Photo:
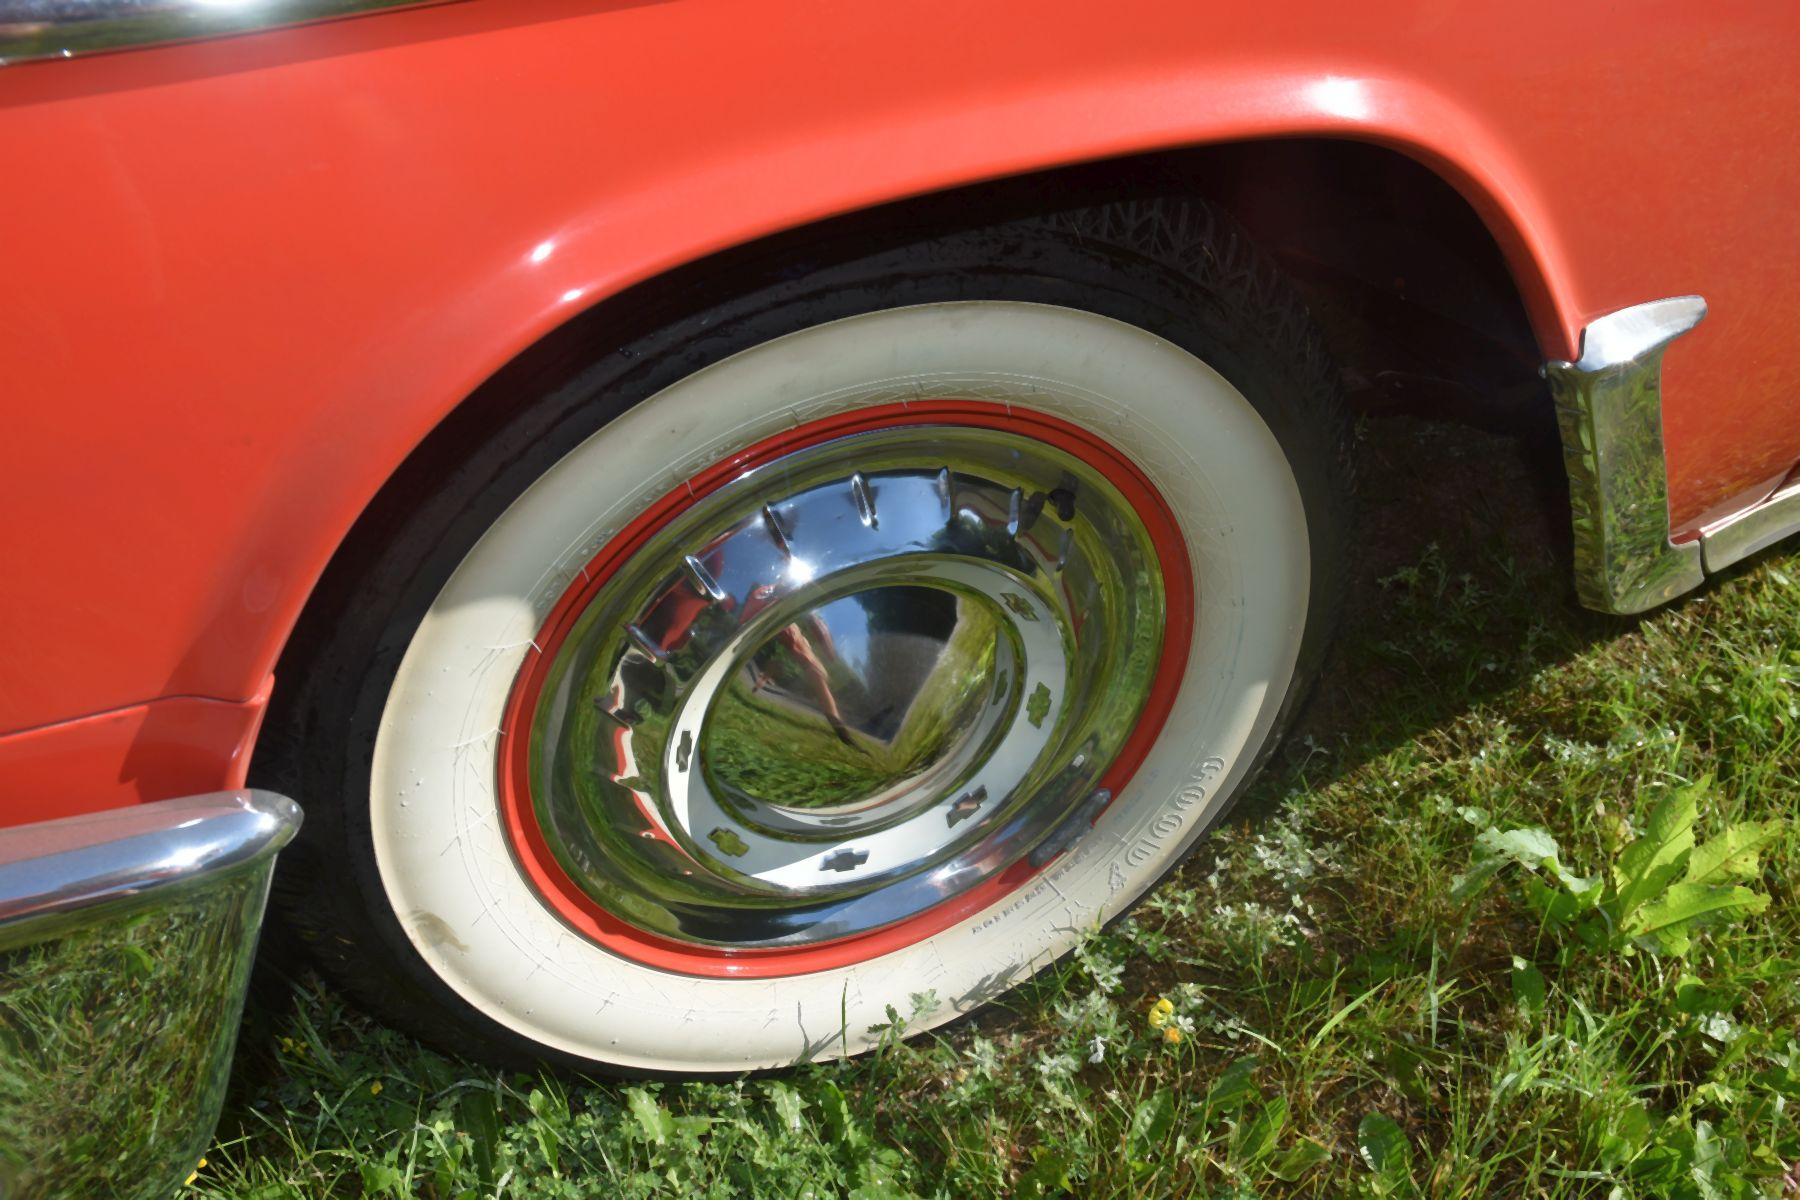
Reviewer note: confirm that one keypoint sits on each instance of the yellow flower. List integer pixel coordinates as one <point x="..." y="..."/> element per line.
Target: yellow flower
<point x="1172" y="1035"/>
<point x="375" y="1088"/>
<point x="194" y="1174"/>
<point x="1160" y="1012"/>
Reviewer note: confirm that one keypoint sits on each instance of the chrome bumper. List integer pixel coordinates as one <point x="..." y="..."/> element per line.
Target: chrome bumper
<point x="125" y="945"/>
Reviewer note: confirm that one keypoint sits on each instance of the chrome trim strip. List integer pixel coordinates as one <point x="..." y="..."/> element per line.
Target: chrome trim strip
<point x="126" y="939"/>
<point x="1756" y="528"/>
<point x="38" y="29"/>
<point x="1609" y="408"/>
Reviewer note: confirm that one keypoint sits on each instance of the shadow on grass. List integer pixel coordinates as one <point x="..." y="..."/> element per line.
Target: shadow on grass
<point x="1461" y="586"/>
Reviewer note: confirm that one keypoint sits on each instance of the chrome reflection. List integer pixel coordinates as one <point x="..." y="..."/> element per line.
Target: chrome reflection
<point x="38" y="29"/>
<point x="850" y="684"/>
<point x="1609" y="408"/>
<point x="125" y="946"/>
<point x="900" y="677"/>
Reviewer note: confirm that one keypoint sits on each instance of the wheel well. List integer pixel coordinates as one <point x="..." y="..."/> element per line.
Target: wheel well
<point x="1417" y="304"/>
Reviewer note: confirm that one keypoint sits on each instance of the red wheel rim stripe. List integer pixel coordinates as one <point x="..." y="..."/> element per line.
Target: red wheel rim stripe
<point x="513" y="766"/>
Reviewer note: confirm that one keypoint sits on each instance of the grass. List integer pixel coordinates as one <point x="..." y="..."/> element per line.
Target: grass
<point x="1379" y="985"/>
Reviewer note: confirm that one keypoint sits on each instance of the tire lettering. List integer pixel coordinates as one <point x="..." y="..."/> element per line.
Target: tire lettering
<point x="1138" y="853"/>
<point x="1195" y="793"/>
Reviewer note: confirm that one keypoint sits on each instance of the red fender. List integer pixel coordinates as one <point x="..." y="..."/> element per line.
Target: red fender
<point x="245" y="277"/>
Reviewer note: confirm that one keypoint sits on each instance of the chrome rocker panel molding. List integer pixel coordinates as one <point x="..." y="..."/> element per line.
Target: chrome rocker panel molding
<point x="1609" y="409"/>
<point x="126" y="938"/>
<point x="40" y="29"/>
<point x="1758" y="527"/>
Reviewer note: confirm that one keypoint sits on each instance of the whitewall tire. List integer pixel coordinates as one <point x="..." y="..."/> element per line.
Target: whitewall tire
<point x="1249" y="483"/>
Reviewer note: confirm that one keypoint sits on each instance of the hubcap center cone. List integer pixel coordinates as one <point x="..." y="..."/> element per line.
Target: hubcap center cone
<point x="852" y="714"/>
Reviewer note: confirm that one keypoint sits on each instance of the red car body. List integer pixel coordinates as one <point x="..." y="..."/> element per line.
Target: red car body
<point x="243" y="278"/>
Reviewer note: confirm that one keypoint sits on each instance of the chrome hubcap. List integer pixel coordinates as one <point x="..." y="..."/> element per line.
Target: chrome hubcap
<point x="847" y="686"/>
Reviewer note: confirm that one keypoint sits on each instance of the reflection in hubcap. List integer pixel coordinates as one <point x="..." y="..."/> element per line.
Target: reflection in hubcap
<point x="857" y="704"/>
<point x="852" y="683"/>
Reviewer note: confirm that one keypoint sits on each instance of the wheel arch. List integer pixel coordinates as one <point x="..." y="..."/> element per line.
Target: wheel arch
<point x="1521" y="319"/>
<point x="539" y="348"/>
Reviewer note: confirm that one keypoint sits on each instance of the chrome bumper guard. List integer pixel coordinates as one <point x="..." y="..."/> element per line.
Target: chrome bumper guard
<point x="1609" y="407"/>
<point x="126" y="939"/>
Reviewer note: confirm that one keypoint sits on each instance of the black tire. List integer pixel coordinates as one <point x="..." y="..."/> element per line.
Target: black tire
<point x="1174" y="267"/>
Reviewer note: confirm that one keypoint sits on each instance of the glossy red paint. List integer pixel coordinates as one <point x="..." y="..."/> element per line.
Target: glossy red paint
<point x="245" y="277"/>
<point x="513" y="783"/>
<point x="179" y="746"/>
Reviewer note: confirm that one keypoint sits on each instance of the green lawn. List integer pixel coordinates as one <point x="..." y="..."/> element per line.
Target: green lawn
<point x="1374" y="994"/>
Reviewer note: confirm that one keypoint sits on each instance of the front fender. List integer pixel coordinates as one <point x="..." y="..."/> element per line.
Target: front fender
<point x="252" y="274"/>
